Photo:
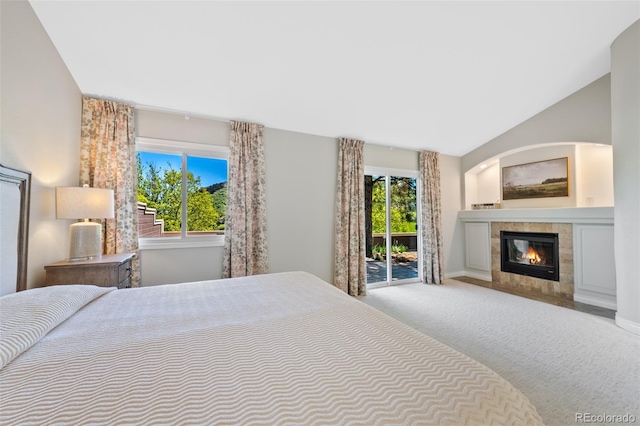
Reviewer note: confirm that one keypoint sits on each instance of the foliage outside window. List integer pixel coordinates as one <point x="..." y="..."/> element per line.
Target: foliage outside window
<point x="403" y="204"/>
<point x="186" y="191"/>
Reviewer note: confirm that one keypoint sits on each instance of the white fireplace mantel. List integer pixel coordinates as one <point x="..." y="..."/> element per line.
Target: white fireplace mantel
<point x="593" y="215"/>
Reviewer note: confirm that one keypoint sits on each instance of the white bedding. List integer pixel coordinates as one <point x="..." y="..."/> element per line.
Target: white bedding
<point x="272" y="349"/>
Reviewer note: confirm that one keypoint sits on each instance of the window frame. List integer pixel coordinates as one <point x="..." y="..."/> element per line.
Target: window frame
<point x="183" y="149"/>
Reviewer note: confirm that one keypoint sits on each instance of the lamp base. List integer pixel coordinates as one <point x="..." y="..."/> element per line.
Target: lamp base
<point x="85" y="241"/>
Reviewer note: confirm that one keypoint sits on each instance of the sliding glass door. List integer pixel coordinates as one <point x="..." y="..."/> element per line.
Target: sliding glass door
<point x="391" y="226"/>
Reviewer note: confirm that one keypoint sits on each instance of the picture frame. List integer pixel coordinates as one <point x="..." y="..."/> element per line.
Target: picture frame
<point x="540" y="179"/>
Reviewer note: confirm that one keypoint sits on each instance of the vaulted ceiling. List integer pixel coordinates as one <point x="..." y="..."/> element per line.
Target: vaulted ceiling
<point x="446" y="76"/>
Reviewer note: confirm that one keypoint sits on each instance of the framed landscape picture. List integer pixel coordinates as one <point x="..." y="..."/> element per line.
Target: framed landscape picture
<point x="542" y="179"/>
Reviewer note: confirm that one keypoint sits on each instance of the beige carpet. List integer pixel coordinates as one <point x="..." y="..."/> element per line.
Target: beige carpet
<point x="566" y="362"/>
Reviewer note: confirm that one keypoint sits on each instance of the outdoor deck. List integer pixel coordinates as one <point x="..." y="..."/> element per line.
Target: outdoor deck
<point x="377" y="270"/>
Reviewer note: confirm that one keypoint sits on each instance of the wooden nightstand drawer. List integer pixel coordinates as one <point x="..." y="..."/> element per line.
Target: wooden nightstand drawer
<point x="110" y="270"/>
<point x="124" y="271"/>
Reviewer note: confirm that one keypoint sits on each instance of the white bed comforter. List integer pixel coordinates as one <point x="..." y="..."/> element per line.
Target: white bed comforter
<point x="273" y="349"/>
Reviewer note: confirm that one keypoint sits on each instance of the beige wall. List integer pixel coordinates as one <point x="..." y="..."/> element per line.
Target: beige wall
<point x="392" y="158"/>
<point x="301" y="181"/>
<point x="486" y="188"/>
<point x="625" y="103"/>
<point x="173" y="126"/>
<point x="594" y="175"/>
<point x="40" y="114"/>
<point x="452" y="229"/>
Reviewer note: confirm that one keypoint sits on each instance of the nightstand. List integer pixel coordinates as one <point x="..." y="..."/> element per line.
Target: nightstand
<point x="110" y="270"/>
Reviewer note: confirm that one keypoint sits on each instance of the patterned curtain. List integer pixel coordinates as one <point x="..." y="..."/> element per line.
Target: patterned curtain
<point x="432" y="265"/>
<point x="108" y="160"/>
<point x="350" y="275"/>
<point x="245" y="235"/>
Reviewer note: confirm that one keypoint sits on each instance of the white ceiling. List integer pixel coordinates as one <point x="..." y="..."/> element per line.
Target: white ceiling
<point x="445" y="76"/>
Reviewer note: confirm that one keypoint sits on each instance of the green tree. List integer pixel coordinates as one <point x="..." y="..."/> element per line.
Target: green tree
<point x="403" y="206"/>
<point x="219" y="199"/>
<point x="378" y="208"/>
<point x="141" y="179"/>
<point x="201" y="215"/>
<point x="161" y="189"/>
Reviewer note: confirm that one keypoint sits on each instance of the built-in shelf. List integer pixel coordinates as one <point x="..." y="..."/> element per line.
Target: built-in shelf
<point x="603" y="215"/>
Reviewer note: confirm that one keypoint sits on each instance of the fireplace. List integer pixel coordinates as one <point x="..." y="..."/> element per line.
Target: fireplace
<point x="534" y="254"/>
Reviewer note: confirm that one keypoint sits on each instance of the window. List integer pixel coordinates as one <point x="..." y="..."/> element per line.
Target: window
<point x="182" y="193"/>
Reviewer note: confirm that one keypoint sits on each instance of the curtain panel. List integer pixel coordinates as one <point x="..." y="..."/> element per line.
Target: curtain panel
<point x="245" y="242"/>
<point x="108" y="160"/>
<point x="350" y="272"/>
<point x="432" y="265"/>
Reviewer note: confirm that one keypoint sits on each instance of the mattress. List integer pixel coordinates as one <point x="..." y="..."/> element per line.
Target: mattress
<point x="272" y="349"/>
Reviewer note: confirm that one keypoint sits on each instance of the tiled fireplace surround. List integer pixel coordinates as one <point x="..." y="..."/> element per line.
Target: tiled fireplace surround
<point x="560" y="289"/>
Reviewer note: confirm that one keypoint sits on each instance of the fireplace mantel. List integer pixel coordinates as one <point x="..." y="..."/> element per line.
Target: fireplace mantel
<point x="593" y="215"/>
<point x="586" y="233"/>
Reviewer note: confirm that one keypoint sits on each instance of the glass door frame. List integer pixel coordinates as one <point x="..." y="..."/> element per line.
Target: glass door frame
<point x="387" y="172"/>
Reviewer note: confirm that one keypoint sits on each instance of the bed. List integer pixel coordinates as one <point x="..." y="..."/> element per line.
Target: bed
<point x="285" y="348"/>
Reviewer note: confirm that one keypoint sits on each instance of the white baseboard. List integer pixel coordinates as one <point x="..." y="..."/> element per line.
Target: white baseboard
<point x="595" y="302"/>
<point x="453" y="274"/>
<point x="625" y="324"/>
<point x="485" y="276"/>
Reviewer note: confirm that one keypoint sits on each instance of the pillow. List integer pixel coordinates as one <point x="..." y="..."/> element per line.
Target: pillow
<point x="27" y="316"/>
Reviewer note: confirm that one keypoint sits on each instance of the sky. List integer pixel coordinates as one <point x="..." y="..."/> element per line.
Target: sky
<point x="210" y="170"/>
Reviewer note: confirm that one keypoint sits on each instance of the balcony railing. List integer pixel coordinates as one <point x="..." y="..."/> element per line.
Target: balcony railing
<point x="407" y="239"/>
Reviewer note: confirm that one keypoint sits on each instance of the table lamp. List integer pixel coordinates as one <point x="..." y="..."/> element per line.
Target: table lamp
<point x="85" y="238"/>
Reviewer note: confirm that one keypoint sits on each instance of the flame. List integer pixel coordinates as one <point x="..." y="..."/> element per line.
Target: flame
<point x="533" y="256"/>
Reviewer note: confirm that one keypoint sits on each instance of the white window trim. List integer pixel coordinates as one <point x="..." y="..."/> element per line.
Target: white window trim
<point x="168" y="146"/>
<point x="164" y="243"/>
<point x="181" y="148"/>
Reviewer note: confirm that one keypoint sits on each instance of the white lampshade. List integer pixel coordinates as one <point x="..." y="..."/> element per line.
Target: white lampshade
<point x="84" y="203"/>
<point x="85" y="238"/>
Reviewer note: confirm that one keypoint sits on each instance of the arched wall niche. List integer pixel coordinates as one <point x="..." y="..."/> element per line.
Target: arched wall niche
<point x="590" y="176"/>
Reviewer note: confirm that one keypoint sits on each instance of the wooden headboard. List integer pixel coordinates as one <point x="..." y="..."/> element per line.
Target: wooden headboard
<point x="15" y="195"/>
